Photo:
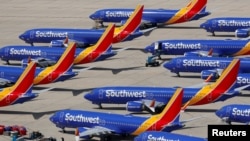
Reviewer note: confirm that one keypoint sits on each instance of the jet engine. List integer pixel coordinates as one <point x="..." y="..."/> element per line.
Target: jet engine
<point x="206" y="73"/>
<point x="134" y="106"/>
<point x="57" y="43"/>
<point x="242" y="33"/>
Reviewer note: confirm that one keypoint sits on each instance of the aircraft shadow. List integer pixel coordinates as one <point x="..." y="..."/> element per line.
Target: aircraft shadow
<point x="187" y="76"/>
<point x="244" y="95"/>
<point x="201" y="110"/>
<point x="229" y="36"/>
<point x="111" y="108"/>
<point x="36" y="115"/>
<point x="179" y="27"/>
<point x="75" y="92"/>
<point x="114" y="70"/>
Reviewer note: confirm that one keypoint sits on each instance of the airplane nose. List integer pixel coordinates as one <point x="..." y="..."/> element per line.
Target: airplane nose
<point x="21" y="37"/>
<point x="203" y="25"/>
<point x="149" y="49"/>
<point x="88" y="96"/>
<point x="52" y="118"/>
<point x="168" y="65"/>
<point x="218" y="113"/>
<point x="93" y="16"/>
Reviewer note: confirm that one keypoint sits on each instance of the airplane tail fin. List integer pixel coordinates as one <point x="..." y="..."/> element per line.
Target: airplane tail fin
<point x="131" y="25"/>
<point x="224" y="85"/>
<point x="22" y="86"/>
<point x="172" y="110"/>
<point x="104" y="44"/>
<point x="189" y="11"/>
<point x="64" y="64"/>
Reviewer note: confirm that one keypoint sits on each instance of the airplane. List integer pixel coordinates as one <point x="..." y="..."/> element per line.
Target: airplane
<point x="98" y="52"/>
<point x="86" y="37"/>
<point x="166" y="136"/>
<point x="89" y="123"/>
<point x="204" y="65"/>
<point x="194" y="10"/>
<point x="186" y="47"/>
<point x="239" y="25"/>
<point x="238" y="113"/>
<point x="153" y="99"/>
<point x="21" y="91"/>
<point x="60" y="71"/>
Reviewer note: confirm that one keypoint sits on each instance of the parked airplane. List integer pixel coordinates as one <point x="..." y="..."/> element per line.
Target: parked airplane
<point x="89" y="123"/>
<point x="60" y="71"/>
<point x="153" y="99"/>
<point x="239" y="25"/>
<point x="204" y="65"/>
<point x="98" y="52"/>
<point x="166" y="136"/>
<point x="234" y="113"/>
<point x="193" y="47"/>
<point x="194" y="10"/>
<point x="86" y="37"/>
<point x="22" y="90"/>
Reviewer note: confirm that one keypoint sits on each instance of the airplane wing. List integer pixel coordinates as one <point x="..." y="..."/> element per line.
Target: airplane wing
<point x="40" y="61"/>
<point x="97" y="130"/>
<point x="4" y="82"/>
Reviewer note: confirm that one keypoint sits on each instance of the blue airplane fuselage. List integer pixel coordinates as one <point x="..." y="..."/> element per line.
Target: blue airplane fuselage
<point x="87" y="36"/>
<point x="198" y="64"/>
<point x="24" y="52"/>
<point x="166" y="136"/>
<point x="226" y="24"/>
<point x="151" y="15"/>
<point x="185" y="47"/>
<point x="124" y="94"/>
<point x="235" y="113"/>
<point x="80" y="118"/>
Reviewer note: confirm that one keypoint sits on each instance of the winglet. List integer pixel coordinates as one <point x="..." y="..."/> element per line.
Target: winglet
<point x="90" y="54"/>
<point x="130" y="26"/>
<point x="64" y="64"/>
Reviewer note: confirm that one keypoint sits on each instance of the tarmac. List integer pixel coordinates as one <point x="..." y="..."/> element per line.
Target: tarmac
<point x="126" y="68"/>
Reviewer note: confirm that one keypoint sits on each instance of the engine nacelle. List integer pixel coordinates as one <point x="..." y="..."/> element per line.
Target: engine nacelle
<point x="206" y="73"/>
<point x="242" y="33"/>
<point x="134" y="106"/>
<point x="191" y="54"/>
<point x="82" y="129"/>
<point x="56" y="43"/>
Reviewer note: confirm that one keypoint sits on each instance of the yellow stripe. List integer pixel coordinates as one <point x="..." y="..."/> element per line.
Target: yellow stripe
<point x="182" y="11"/>
<point x="153" y="119"/>
<point x="90" y="49"/>
<point x="8" y="90"/>
<point x="244" y="50"/>
<point x="43" y="74"/>
<point x="118" y="30"/>
<point x="210" y="87"/>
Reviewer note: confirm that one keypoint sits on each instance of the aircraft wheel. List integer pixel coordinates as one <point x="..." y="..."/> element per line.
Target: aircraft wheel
<point x="146" y="64"/>
<point x="105" y="138"/>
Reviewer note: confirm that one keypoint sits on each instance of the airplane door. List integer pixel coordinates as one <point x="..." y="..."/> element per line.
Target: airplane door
<point x="210" y="97"/>
<point x="102" y="122"/>
<point x="228" y="111"/>
<point x="223" y="65"/>
<point x="6" y="51"/>
<point x="32" y="34"/>
<point x="8" y="99"/>
<point x="214" y="23"/>
<point x="145" y="137"/>
<point x="50" y="77"/>
<point x="101" y="94"/>
<point x="61" y="117"/>
<point x="2" y="74"/>
<point x="178" y="63"/>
